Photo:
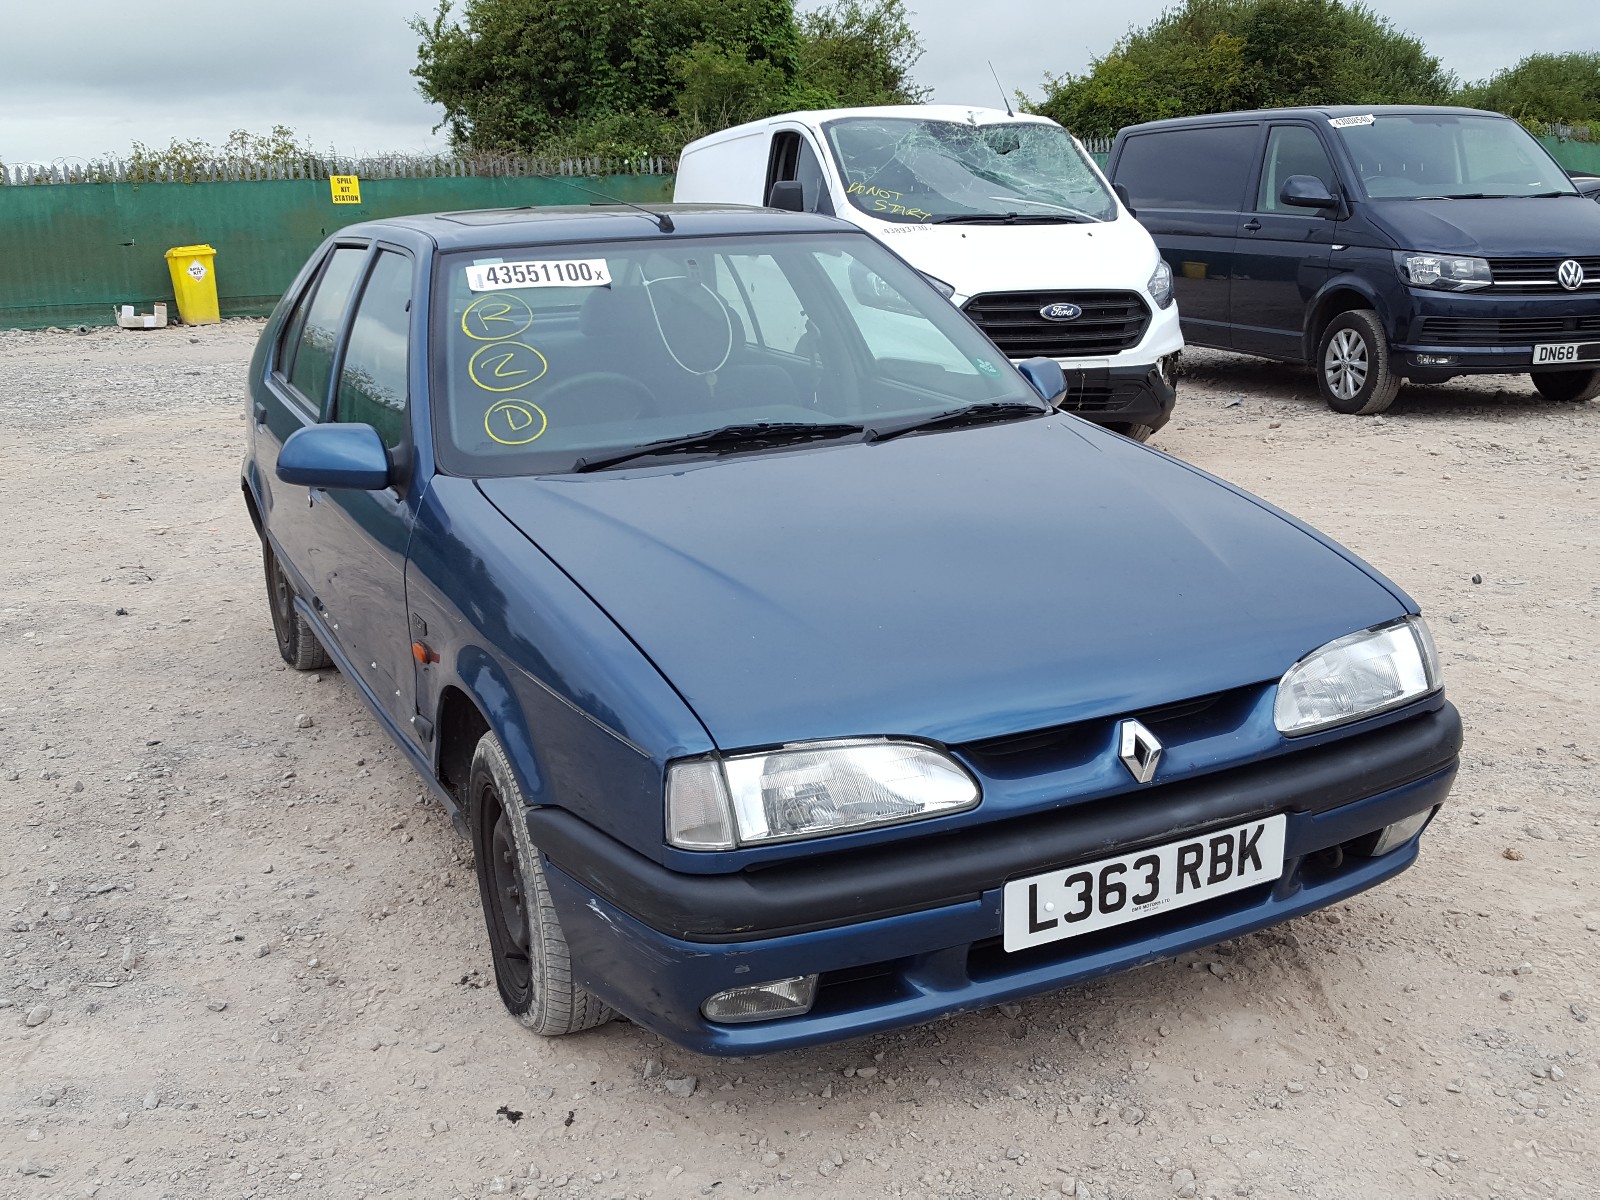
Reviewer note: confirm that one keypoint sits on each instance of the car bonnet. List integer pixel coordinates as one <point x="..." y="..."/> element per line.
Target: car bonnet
<point x="950" y="586"/>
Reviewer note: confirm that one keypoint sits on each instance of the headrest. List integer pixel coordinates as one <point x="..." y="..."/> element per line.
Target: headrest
<point x="676" y="317"/>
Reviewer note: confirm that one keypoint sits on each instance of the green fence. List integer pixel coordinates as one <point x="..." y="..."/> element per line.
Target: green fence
<point x="71" y="253"/>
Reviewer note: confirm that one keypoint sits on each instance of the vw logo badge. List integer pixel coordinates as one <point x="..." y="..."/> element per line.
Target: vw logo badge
<point x="1139" y="750"/>
<point x="1071" y="312"/>
<point x="1569" y="275"/>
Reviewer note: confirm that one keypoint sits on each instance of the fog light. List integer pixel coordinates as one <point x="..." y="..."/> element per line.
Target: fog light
<point x="762" y="1001"/>
<point x="1392" y="836"/>
<point x="1433" y="360"/>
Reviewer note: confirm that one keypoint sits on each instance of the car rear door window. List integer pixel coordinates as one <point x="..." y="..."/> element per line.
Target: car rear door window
<point x="1292" y="150"/>
<point x="372" y="379"/>
<point x="1202" y="168"/>
<point x="310" y="369"/>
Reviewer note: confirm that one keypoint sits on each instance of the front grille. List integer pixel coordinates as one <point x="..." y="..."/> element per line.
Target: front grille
<point x="1505" y="331"/>
<point x="1110" y="322"/>
<point x="1539" y="275"/>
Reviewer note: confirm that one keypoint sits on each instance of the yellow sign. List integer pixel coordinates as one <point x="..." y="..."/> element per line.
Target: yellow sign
<point x="346" y="188"/>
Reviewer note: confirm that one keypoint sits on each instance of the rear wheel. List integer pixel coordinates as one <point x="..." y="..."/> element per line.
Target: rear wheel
<point x="1567" y="386"/>
<point x="297" y="642"/>
<point x="532" y="966"/>
<point x="1353" y="369"/>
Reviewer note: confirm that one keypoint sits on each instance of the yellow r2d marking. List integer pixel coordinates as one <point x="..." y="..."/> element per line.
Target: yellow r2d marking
<point x="506" y="366"/>
<point x="515" y="422"/>
<point x="496" y="316"/>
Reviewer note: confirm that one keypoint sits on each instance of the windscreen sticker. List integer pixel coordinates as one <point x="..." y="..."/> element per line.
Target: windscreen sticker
<point x="987" y="367"/>
<point x="495" y="317"/>
<point x="555" y="272"/>
<point x="506" y="366"/>
<point x="1348" y="122"/>
<point x="515" y="422"/>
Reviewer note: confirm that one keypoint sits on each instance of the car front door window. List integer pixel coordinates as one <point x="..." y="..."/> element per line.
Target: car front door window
<point x="310" y="369"/>
<point x="372" y="379"/>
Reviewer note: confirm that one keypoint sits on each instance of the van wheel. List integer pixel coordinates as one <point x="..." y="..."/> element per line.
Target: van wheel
<point x="1567" y="386"/>
<point x="297" y="642"/>
<point x="1353" y="370"/>
<point x="1139" y="433"/>
<point x="532" y="966"/>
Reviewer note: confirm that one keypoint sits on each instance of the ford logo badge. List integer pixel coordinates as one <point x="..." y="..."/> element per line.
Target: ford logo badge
<point x="1061" y="312"/>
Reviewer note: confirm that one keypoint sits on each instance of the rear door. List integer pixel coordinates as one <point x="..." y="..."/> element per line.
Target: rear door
<point x="1282" y="255"/>
<point x="1188" y="187"/>
<point x="362" y="537"/>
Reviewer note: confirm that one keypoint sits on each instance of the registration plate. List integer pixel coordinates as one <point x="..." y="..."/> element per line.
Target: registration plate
<point x="1081" y="899"/>
<point x="1566" y="352"/>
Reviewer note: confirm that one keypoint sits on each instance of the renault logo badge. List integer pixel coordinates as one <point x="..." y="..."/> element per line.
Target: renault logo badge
<point x="1570" y="275"/>
<point x="1061" y="312"/>
<point x="1139" y="750"/>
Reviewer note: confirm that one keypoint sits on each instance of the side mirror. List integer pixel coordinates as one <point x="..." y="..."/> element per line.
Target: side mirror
<point x="787" y="194"/>
<point x="1306" y="191"/>
<point x="335" y="456"/>
<point x="1047" y="377"/>
<point x="1121" y="189"/>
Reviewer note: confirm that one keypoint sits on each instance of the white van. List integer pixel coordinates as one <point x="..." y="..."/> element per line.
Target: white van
<point x="1007" y="214"/>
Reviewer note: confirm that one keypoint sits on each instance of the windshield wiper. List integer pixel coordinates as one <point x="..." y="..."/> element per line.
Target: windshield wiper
<point x="973" y="414"/>
<point x="750" y="436"/>
<point x="1012" y="218"/>
<point x="1460" y="196"/>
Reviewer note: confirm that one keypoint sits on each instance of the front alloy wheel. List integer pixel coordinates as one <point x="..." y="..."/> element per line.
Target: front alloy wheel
<point x="1354" y="374"/>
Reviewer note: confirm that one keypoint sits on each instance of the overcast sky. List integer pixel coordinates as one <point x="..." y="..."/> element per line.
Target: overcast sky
<point x="83" y="78"/>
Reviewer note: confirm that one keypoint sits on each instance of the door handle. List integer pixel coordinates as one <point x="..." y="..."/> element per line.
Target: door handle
<point x="260" y="413"/>
<point x="1252" y="225"/>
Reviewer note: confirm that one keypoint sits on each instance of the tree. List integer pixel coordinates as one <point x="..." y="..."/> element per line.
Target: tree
<point x="1562" y="89"/>
<point x="630" y="77"/>
<point x="1221" y="55"/>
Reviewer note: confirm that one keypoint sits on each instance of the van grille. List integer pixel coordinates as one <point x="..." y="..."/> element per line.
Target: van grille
<point x="1111" y="322"/>
<point x="1504" y="331"/>
<point x="1539" y="275"/>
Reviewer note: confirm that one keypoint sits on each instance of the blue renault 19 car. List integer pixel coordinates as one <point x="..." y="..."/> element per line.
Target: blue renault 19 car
<point x="796" y="669"/>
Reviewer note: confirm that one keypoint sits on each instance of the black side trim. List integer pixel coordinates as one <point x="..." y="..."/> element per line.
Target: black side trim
<point x="920" y="873"/>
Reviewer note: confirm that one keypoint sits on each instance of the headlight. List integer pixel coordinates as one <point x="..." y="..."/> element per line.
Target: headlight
<point x="1160" y="285"/>
<point x="944" y="289"/>
<point x="808" y="790"/>
<point x="1443" y="272"/>
<point x="1356" y="676"/>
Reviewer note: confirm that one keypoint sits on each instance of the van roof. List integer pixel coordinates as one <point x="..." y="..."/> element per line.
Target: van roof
<point x="815" y="118"/>
<point x="1330" y="111"/>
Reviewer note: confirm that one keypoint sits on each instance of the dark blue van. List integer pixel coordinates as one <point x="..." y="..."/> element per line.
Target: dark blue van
<point x="1380" y="244"/>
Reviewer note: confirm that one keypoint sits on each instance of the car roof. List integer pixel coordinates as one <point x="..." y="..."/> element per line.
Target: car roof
<point x="1331" y="111"/>
<point x="476" y="229"/>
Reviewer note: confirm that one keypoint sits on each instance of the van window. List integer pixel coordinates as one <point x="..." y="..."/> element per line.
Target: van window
<point x="794" y="159"/>
<point x="1204" y="168"/>
<point x="1292" y="150"/>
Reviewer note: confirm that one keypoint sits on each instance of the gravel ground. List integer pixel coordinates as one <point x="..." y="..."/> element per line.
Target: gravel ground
<point x="243" y="957"/>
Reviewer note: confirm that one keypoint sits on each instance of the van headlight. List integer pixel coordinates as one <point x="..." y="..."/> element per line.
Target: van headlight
<point x="1356" y="676"/>
<point x="810" y="789"/>
<point x="1160" y="285"/>
<point x="1443" y="272"/>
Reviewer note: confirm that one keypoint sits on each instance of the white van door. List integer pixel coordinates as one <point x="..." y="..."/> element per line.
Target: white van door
<point x="794" y="157"/>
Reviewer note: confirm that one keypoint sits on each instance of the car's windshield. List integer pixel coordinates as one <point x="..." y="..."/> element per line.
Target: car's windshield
<point x="553" y="358"/>
<point x="1415" y="156"/>
<point x="912" y="170"/>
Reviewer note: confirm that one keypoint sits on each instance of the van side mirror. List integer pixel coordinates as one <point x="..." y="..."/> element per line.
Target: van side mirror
<point x="335" y="456"/>
<point x="787" y="194"/>
<point x="1047" y="377"/>
<point x="1121" y="189"/>
<point x="1306" y="191"/>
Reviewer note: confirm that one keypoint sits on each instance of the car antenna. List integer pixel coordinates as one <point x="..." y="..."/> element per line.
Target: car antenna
<point x="1003" y="98"/>
<point x="662" y="220"/>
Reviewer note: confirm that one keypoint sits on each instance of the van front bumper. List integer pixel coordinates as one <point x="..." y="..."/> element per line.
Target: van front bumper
<point x="1475" y="333"/>
<point x="911" y="931"/>
<point x="1118" y="396"/>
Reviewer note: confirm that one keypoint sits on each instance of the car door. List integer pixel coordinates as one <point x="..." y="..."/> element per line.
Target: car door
<point x="1282" y="254"/>
<point x="1187" y="187"/>
<point x="296" y="395"/>
<point x="362" y="536"/>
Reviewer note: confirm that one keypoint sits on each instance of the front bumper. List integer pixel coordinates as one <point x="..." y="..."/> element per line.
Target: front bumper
<point x="1477" y="333"/>
<point x="910" y="932"/>
<point x="1120" y="396"/>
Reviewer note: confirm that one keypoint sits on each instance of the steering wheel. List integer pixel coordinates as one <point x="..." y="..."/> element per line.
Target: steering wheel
<point x="601" y="396"/>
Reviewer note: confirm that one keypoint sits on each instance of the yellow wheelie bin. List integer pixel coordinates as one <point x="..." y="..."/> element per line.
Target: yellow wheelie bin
<point x="194" y="281"/>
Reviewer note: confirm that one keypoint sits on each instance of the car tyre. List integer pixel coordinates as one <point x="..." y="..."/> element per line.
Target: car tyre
<point x="1139" y="433"/>
<point x="532" y="965"/>
<point x="297" y="641"/>
<point x="1354" y="373"/>
<point x="1567" y="386"/>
